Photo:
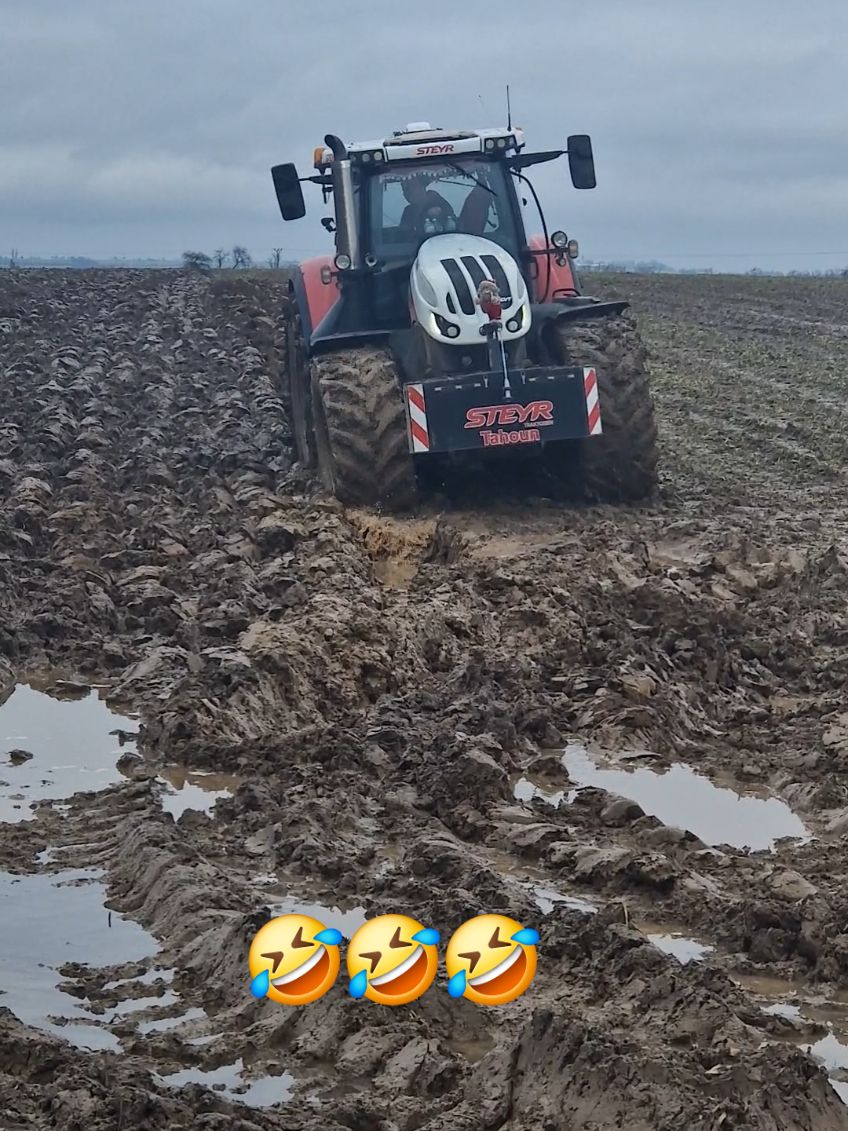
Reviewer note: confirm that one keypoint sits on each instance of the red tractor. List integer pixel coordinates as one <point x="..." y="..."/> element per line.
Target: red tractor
<point x="440" y="333"/>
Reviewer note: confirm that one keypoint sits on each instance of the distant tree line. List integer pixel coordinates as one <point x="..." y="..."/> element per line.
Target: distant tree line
<point x="655" y="267"/>
<point x="237" y="259"/>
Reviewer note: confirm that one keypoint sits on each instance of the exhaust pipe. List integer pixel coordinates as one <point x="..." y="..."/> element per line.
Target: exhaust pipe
<point x="347" y="229"/>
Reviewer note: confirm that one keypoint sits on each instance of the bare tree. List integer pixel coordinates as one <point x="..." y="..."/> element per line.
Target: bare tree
<point x="13" y="258"/>
<point x="240" y="257"/>
<point x="275" y="259"/>
<point x="220" y="257"/>
<point x="196" y="261"/>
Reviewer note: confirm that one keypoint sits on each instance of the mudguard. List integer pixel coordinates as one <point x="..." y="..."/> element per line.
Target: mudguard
<point x="560" y="282"/>
<point x="314" y="297"/>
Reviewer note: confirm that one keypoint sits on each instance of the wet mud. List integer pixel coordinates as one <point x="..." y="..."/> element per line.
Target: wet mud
<point x="353" y="714"/>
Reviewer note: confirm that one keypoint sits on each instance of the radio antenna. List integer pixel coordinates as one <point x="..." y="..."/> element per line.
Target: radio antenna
<point x="508" y="110"/>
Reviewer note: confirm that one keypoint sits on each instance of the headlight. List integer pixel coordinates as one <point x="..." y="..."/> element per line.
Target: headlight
<point x="490" y="143"/>
<point x="501" y="143"/>
<point x="449" y="329"/>
<point x="342" y="262"/>
<point x="573" y="249"/>
<point x="559" y="239"/>
<point x="378" y="155"/>
<point x="516" y="322"/>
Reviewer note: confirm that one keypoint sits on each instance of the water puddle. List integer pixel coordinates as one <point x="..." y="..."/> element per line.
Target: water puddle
<point x="154" y="974"/>
<point x="533" y="881"/>
<point x="472" y="1048"/>
<point x="194" y="789"/>
<point x="546" y="899"/>
<point x="228" y="1081"/>
<point x="831" y="1050"/>
<point x="680" y="797"/>
<point x="71" y="746"/>
<point x="764" y="986"/>
<point x="47" y="921"/>
<point x="131" y="1005"/>
<point x="674" y="942"/>
<point x="166" y="1024"/>
<point x="348" y="922"/>
<point x="264" y="879"/>
<point x="526" y="790"/>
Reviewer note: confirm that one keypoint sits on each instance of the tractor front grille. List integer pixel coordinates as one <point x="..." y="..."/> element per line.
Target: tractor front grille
<point x="465" y="276"/>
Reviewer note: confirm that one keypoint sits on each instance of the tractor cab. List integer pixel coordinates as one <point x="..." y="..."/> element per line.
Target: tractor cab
<point x="403" y="206"/>
<point x="391" y="195"/>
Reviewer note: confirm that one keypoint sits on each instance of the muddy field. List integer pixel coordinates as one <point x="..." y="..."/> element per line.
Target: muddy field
<point x="625" y="727"/>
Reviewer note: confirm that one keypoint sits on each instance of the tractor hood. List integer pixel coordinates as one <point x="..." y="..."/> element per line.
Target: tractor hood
<point x="445" y="279"/>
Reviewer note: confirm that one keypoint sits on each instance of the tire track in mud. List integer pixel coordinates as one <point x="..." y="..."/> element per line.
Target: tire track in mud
<point x="378" y="686"/>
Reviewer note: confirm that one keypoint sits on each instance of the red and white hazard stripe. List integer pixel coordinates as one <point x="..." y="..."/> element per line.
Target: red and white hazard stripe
<point x="418" y="431"/>
<point x="593" y="404"/>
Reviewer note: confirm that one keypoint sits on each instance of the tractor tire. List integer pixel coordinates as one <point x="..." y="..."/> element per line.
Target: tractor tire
<point x="360" y="429"/>
<point x="297" y="389"/>
<point x="620" y="465"/>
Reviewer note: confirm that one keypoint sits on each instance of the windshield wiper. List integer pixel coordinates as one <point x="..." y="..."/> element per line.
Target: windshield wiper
<point x="464" y="173"/>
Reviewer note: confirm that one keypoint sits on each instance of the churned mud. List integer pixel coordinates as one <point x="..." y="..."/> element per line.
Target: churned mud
<point x="224" y="697"/>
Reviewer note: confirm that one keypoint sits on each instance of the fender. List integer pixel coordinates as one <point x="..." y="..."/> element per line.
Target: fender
<point x="315" y="299"/>
<point x="562" y="282"/>
<point x="580" y="310"/>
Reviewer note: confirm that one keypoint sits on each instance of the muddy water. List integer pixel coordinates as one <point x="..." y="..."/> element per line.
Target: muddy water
<point x="472" y="1048"/>
<point x="228" y="1080"/>
<point x="71" y="746"/>
<point x="787" y="999"/>
<point x="190" y="789"/>
<point x="670" y="940"/>
<point x="168" y="1023"/>
<point x="347" y="921"/>
<point x="683" y="798"/>
<point x="46" y="921"/>
<point x="526" y="790"/>
<point x="547" y="898"/>
<point x="532" y="880"/>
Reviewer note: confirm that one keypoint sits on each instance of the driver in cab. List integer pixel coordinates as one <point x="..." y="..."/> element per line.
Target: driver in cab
<point x="427" y="212"/>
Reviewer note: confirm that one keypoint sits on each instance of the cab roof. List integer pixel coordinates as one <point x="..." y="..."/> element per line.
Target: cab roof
<point x="420" y="141"/>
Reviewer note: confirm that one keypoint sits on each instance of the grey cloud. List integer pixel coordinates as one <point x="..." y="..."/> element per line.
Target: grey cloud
<point x="132" y="127"/>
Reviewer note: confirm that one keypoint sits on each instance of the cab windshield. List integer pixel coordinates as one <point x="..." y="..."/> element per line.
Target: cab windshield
<point x="413" y="202"/>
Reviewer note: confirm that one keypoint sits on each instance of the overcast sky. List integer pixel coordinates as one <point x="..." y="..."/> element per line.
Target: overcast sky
<point x="145" y="127"/>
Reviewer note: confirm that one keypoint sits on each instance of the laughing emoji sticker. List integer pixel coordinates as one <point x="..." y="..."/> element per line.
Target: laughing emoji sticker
<point x="491" y="959"/>
<point x="392" y="960"/>
<point x="293" y="959"/>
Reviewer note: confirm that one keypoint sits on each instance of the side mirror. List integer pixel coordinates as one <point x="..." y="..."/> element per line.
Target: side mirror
<point x="581" y="163"/>
<point x="289" y="193"/>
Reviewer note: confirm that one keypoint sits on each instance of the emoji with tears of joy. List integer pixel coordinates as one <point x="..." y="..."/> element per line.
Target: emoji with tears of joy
<point x="392" y="960"/>
<point x="491" y="959"/>
<point x="293" y="959"/>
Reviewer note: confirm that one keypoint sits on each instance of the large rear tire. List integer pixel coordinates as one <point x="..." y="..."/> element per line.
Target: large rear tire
<point x="298" y="388"/>
<point x="360" y="429"/>
<point x="620" y="465"/>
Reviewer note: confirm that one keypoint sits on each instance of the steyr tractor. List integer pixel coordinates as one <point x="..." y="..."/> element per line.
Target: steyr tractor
<point x="439" y="333"/>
